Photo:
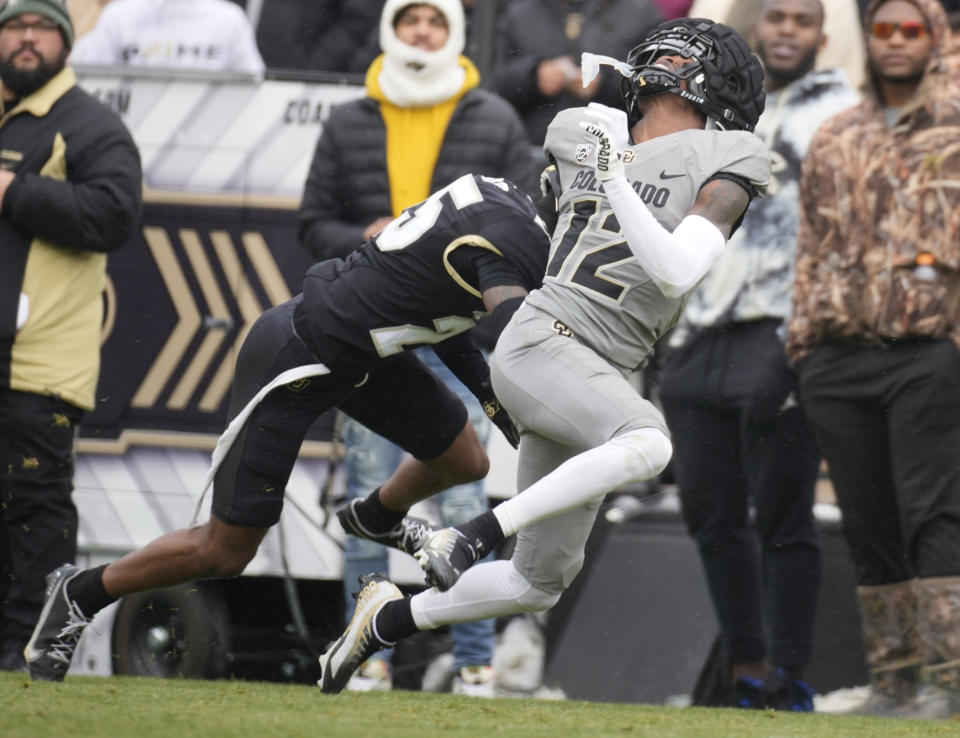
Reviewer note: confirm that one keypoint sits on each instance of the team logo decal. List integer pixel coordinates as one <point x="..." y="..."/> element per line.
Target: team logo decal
<point x="626" y="157"/>
<point x="583" y="151"/>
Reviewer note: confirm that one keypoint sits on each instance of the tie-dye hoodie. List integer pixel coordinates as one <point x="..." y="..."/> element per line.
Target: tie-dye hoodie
<point x="873" y="199"/>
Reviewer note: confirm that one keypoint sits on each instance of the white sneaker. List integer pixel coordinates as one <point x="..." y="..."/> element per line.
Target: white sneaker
<point x="372" y="676"/>
<point x="475" y="681"/>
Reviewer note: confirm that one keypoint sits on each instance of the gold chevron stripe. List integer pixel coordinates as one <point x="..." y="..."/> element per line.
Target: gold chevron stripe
<point x="250" y="309"/>
<point x="266" y="267"/>
<point x="187" y="324"/>
<point x="217" y="308"/>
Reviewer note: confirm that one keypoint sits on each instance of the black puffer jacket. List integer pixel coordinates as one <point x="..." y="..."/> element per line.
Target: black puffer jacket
<point x="348" y="187"/>
<point x="532" y="31"/>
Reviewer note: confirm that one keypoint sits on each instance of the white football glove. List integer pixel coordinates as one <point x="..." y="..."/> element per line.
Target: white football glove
<point x="615" y="121"/>
<point x="605" y="156"/>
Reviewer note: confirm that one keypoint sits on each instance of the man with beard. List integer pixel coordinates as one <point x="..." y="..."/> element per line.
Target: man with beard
<point x="69" y="192"/>
<point x="740" y="436"/>
<point x="875" y="334"/>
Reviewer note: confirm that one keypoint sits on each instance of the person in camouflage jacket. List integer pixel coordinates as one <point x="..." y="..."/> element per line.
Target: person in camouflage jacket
<point x="875" y="336"/>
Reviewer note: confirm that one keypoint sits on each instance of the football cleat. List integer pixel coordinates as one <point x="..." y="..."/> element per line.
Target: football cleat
<point x="359" y="641"/>
<point x="444" y="556"/>
<point x="61" y="623"/>
<point x="408" y="535"/>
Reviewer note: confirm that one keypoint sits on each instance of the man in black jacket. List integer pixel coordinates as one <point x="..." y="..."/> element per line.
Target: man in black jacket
<point x="70" y="187"/>
<point x="538" y="71"/>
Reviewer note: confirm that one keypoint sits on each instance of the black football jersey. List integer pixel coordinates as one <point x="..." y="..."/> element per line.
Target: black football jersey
<point x="419" y="281"/>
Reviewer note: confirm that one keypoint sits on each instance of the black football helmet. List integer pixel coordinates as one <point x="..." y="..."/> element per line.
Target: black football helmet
<point x="724" y="80"/>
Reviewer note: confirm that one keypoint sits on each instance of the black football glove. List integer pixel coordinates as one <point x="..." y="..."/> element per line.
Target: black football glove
<point x="495" y="411"/>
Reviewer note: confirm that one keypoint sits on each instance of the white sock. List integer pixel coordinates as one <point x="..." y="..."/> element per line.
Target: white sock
<point x="631" y="457"/>
<point x="487" y="590"/>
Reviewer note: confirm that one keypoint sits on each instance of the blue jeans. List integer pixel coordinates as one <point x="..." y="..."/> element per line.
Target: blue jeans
<point x="370" y="459"/>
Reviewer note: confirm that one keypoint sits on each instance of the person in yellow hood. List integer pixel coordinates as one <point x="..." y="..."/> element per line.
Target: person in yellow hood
<point x="424" y="122"/>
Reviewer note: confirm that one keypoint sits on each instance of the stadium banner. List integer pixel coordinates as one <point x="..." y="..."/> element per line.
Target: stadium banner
<point x="224" y="163"/>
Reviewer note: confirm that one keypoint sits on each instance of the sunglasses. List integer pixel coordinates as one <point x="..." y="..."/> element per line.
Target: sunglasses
<point x="908" y="29"/>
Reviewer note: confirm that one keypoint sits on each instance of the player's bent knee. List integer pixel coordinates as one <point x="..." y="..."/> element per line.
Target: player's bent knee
<point x="536" y="600"/>
<point x="470" y="467"/>
<point x="648" y="451"/>
<point x="221" y="559"/>
<point x="526" y="596"/>
<point x="232" y="564"/>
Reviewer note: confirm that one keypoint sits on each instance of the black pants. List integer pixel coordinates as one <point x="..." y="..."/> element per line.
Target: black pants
<point x="889" y="423"/>
<point x="39" y="520"/>
<point x="396" y="397"/>
<point x="742" y="443"/>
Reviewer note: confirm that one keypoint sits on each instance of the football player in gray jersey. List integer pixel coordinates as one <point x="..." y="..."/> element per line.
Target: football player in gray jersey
<point x="646" y="198"/>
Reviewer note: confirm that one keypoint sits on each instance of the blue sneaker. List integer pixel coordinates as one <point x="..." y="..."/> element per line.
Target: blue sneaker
<point x="788" y="693"/>
<point x="748" y="694"/>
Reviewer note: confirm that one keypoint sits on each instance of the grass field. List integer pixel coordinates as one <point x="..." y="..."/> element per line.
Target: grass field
<point x="122" y="707"/>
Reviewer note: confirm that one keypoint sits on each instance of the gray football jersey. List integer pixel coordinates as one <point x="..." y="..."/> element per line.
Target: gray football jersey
<point x="593" y="283"/>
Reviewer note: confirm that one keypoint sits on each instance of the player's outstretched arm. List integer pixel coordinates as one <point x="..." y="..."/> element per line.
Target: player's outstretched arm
<point x="676" y="260"/>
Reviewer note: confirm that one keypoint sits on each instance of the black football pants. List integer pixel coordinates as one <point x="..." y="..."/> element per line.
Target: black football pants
<point x="38" y="520"/>
<point x="742" y="445"/>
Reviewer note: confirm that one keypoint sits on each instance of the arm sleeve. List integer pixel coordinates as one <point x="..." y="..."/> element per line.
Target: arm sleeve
<point x="675" y="261"/>
<point x="96" y="210"/>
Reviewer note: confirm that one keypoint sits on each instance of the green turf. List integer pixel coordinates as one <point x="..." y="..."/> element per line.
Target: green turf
<point x="119" y="707"/>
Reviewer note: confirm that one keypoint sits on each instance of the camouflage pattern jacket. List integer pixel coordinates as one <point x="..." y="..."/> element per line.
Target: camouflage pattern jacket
<point x="873" y="199"/>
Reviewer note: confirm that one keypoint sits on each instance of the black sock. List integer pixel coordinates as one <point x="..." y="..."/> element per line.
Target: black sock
<point x="483" y="532"/>
<point x="374" y="516"/>
<point x="86" y="589"/>
<point x="395" y="621"/>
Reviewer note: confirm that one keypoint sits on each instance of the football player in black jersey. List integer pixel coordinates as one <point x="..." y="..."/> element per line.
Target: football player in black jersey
<point x="475" y="247"/>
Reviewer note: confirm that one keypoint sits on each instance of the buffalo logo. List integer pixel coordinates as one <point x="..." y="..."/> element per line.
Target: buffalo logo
<point x="298" y="385"/>
<point x="626" y="157"/>
<point x="583" y="151"/>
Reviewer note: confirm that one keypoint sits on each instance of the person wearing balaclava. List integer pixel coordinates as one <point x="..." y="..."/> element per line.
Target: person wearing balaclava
<point x="424" y="122"/>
